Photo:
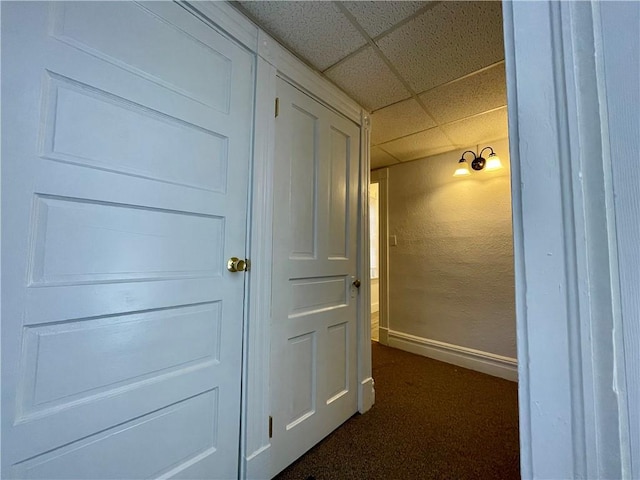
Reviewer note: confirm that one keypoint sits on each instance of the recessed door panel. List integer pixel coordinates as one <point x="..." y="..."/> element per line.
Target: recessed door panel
<point x="339" y="194"/>
<point x="89" y="26"/>
<point x="110" y="452"/>
<point x="65" y="363"/>
<point x="82" y="241"/>
<point x="139" y="141"/>
<point x="303" y="176"/>
<point x="301" y="378"/>
<point x="313" y="295"/>
<point x="337" y="361"/>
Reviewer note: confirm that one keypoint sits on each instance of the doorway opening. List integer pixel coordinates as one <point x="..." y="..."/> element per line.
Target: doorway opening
<point x="449" y="291"/>
<point x="374" y="258"/>
<point x="378" y="258"/>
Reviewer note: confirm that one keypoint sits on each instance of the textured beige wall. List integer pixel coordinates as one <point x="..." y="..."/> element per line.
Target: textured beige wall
<point x="451" y="274"/>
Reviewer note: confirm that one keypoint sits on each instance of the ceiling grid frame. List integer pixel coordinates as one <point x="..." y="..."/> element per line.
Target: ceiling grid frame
<point x="390" y="65"/>
<point x="442" y="115"/>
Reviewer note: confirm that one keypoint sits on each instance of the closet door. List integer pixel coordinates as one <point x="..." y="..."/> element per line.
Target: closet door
<point x="314" y="316"/>
<point x="125" y="157"/>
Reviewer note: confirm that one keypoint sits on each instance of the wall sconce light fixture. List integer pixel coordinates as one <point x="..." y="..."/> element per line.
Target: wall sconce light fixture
<point x="492" y="162"/>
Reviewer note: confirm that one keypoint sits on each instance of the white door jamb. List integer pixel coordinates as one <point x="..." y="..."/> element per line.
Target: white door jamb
<point x="366" y="392"/>
<point x="572" y="412"/>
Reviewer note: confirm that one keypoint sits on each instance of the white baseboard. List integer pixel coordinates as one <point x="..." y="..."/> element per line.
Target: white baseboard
<point x="489" y="363"/>
<point x="383" y="335"/>
<point x="258" y="464"/>
<point x="367" y="395"/>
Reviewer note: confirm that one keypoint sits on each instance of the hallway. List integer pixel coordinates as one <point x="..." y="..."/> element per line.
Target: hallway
<point x="431" y="420"/>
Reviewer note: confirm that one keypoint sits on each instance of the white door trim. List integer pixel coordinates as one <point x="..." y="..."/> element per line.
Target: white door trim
<point x="381" y="177"/>
<point x="572" y="412"/>
<point x="366" y="392"/>
<point x="227" y="19"/>
<point x="291" y="69"/>
<point x="255" y="443"/>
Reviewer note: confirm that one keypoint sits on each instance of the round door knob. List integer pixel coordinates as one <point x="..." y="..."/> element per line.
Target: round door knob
<point x="357" y="283"/>
<point x="235" y="264"/>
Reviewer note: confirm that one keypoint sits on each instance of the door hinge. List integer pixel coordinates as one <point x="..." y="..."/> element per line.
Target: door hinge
<point x="277" y="107"/>
<point x="270" y="426"/>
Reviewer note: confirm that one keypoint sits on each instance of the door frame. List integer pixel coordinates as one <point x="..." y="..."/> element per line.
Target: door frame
<point x="573" y="415"/>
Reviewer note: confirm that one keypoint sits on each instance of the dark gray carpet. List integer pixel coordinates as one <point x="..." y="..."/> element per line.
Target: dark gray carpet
<point x="431" y="420"/>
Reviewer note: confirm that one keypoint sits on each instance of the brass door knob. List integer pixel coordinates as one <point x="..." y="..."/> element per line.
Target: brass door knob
<point x="235" y="264"/>
<point x="357" y="283"/>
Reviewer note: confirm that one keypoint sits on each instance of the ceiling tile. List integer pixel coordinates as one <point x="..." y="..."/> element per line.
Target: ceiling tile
<point x="479" y="129"/>
<point x="368" y="80"/>
<point x="398" y="120"/>
<point x="377" y="17"/>
<point x="446" y="42"/>
<point x="419" y="145"/>
<point x="316" y="31"/>
<point x="380" y="158"/>
<point x="475" y="94"/>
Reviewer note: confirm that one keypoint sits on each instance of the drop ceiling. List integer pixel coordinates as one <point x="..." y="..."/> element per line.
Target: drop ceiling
<point x="431" y="73"/>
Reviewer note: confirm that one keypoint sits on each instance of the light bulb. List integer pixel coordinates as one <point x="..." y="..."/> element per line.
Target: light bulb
<point x="462" y="170"/>
<point x="493" y="162"/>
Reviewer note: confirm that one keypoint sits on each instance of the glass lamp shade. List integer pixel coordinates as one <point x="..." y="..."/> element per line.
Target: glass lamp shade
<point x="462" y="170"/>
<point x="493" y="162"/>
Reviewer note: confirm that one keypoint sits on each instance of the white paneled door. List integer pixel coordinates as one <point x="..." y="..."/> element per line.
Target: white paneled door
<point x="125" y="155"/>
<point x="313" y="341"/>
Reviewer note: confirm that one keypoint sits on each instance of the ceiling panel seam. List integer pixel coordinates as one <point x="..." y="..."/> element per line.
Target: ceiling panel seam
<point x="464" y="77"/>
<point x="391" y="67"/>
<point x="401" y="23"/>
<point x="408" y="135"/>
<point x="390" y="154"/>
<point x="446" y="124"/>
<point x="479" y="114"/>
<point x="446" y="84"/>
<point x="394" y="27"/>
<point x="343" y="59"/>
<point x="444" y="110"/>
